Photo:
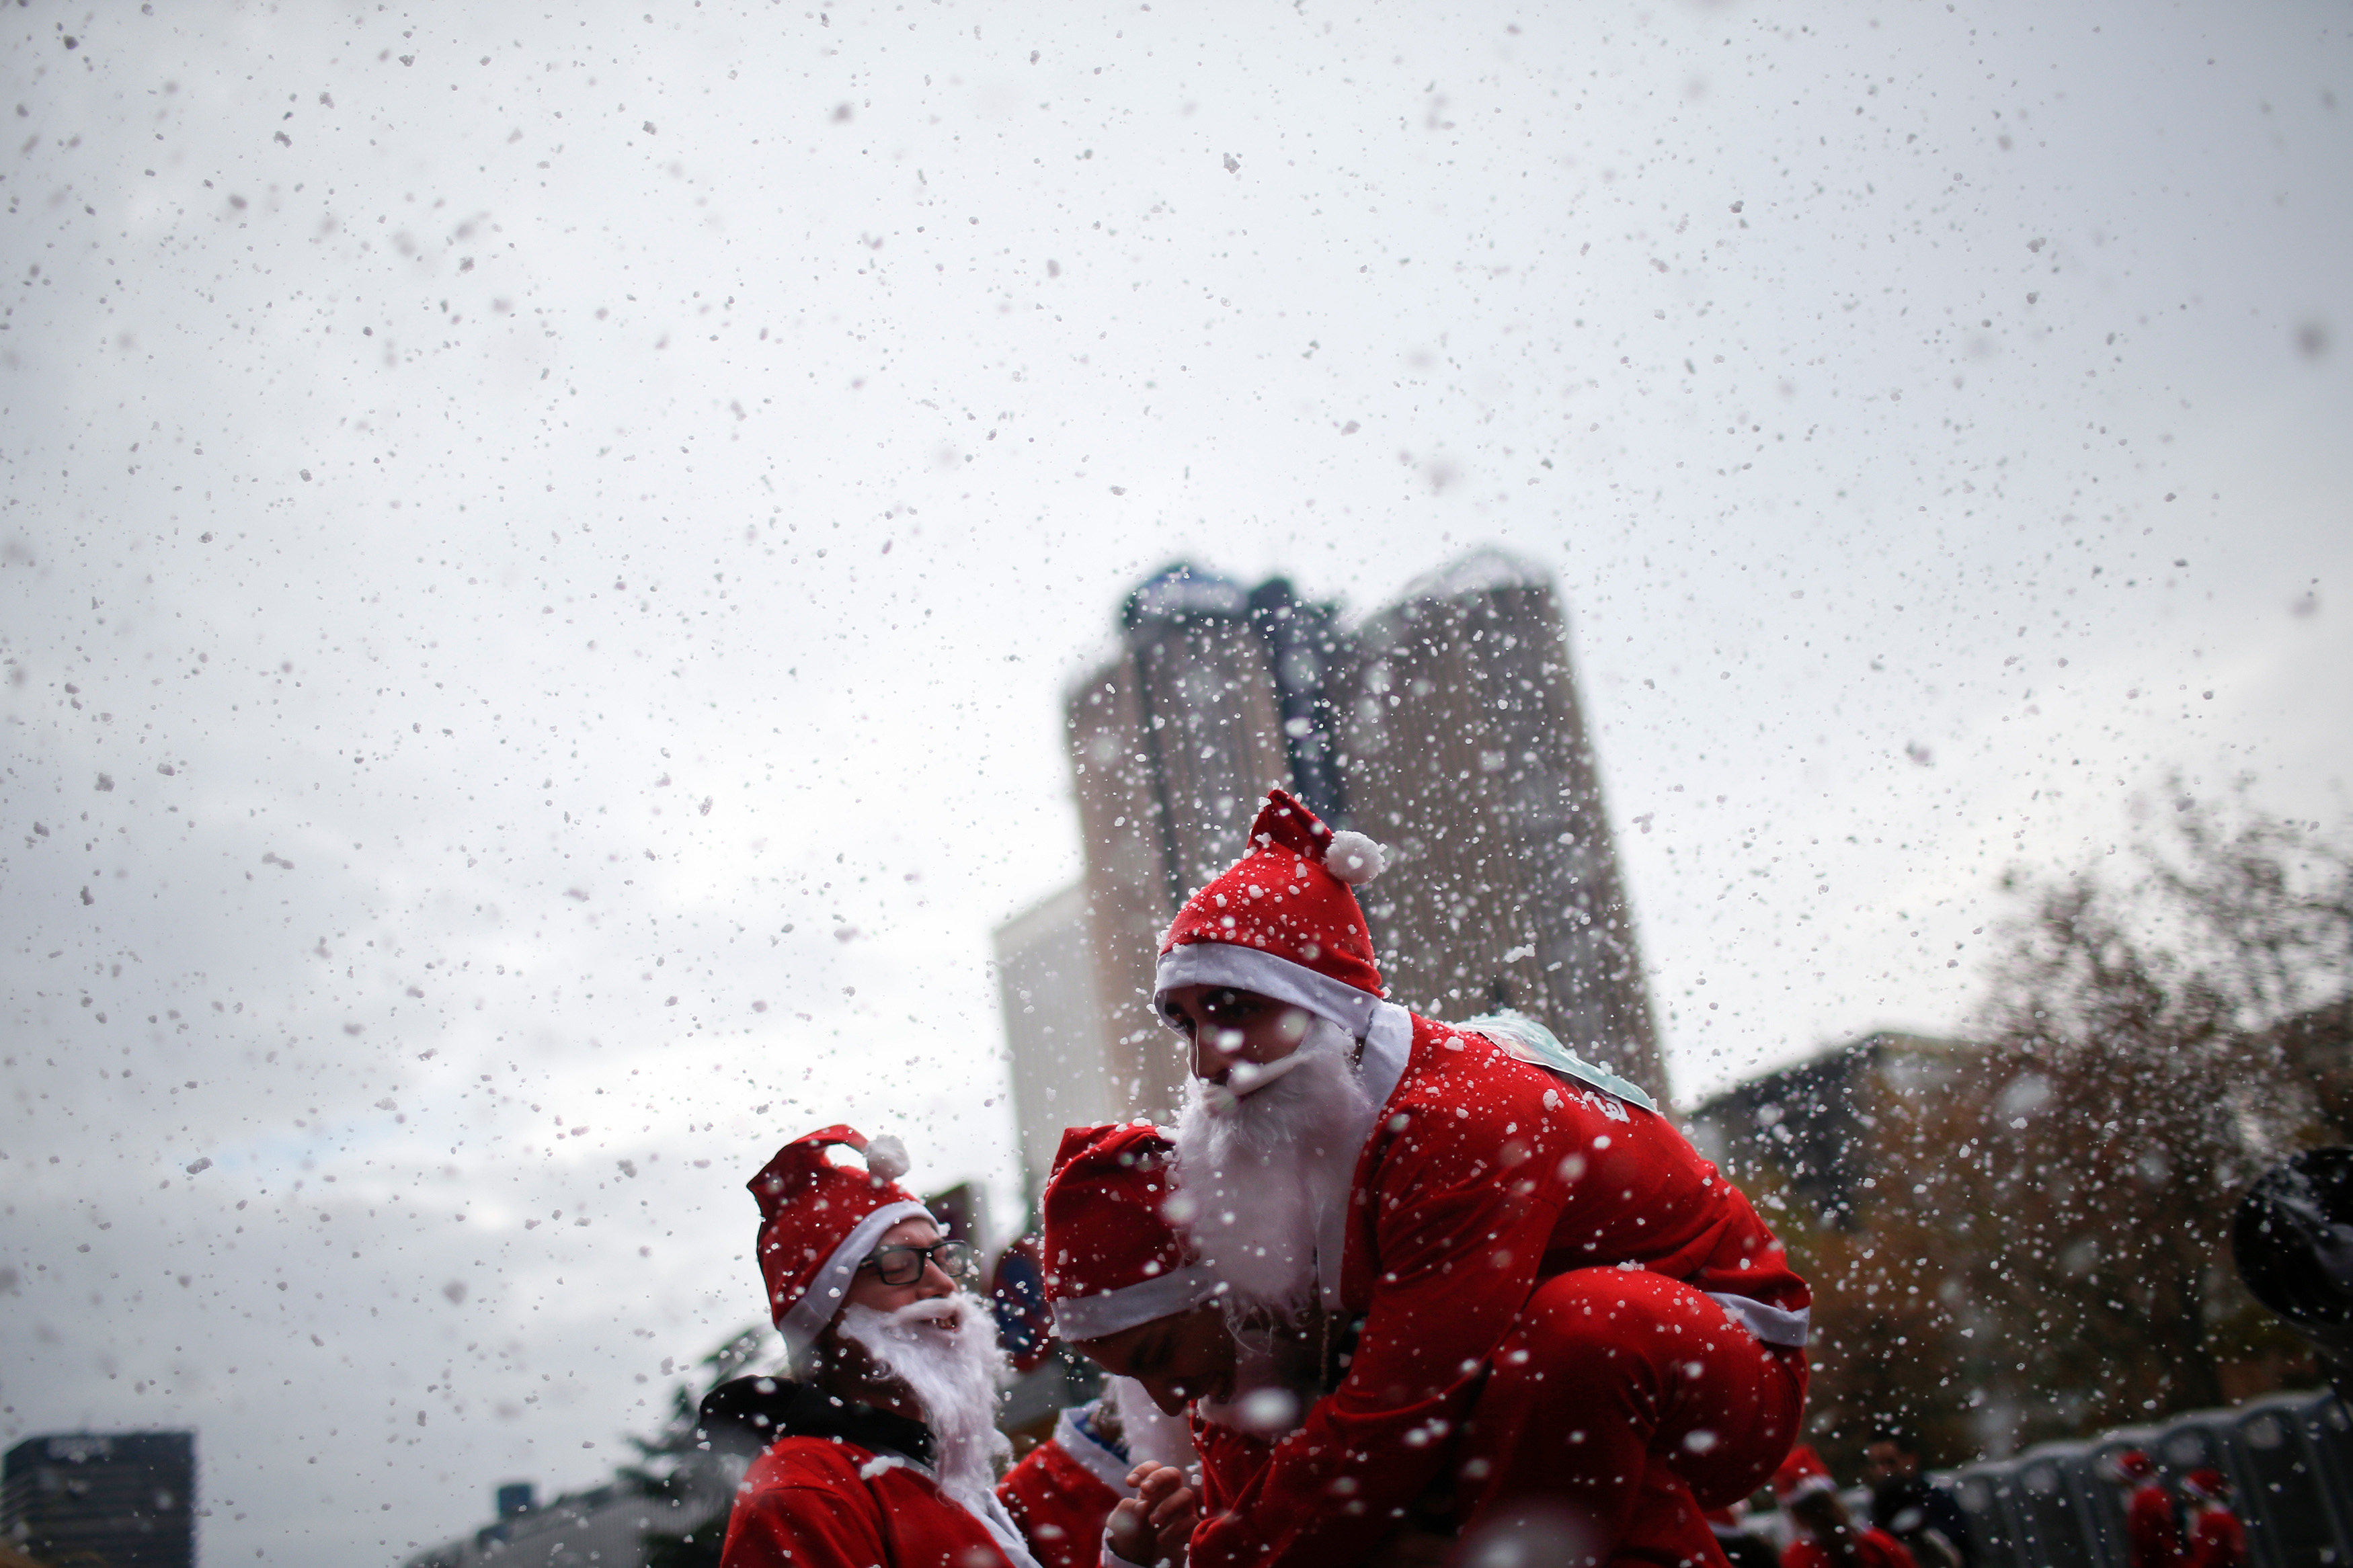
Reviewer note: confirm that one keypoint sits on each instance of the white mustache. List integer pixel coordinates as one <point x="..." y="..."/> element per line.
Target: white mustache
<point x="1246" y="1079"/>
<point x="942" y="1310"/>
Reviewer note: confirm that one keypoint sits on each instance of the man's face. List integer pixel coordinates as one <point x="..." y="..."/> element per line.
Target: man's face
<point x="867" y="1287"/>
<point x="1180" y="1357"/>
<point x="1884" y="1461"/>
<point x="1226" y="1026"/>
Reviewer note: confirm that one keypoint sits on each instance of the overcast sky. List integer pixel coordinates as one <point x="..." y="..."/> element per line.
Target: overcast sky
<point x="541" y="552"/>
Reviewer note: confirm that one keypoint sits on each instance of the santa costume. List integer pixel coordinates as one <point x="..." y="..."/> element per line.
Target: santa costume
<point x="2152" y="1531"/>
<point x="1571" y="1323"/>
<point x="1114" y="1260"/>
<point x="1801" y="1476"/>
<point x="2217" y="1538"/>
<point x="840" y="1484"/>
<point x="1063" y="1490"/>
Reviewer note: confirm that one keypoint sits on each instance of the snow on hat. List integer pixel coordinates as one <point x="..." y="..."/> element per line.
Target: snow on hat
<point x="1283" y="921"/>
<point x="1801" y="1475"/>
<point x="818" y="1221"/>
<point x="1114" y="1258"/>
<point x="2134" y="1466"/>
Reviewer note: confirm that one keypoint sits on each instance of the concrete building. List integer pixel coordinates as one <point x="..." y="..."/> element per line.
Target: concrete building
<point x="1811" y="1123"/>
<point x="1466" y="752"/>
<point x="1171" y="739"/>
<point x="1447" y="725"/>
<point x="124" y="1498"/>
<point x="1053" y="1028"/>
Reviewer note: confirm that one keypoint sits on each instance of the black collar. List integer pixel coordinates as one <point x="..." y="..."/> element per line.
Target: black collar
<point x="748" y="1414"/>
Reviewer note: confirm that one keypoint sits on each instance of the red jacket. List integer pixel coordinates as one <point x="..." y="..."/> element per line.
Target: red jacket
<point x="1061" y="1494"/>
<point x="1874" y="1548"/>
<point x="1482" y="1176"/>
<point x="2217" y="1539"/>
<point x="824" y="1502"/>
<point x="2152" y="1538"/>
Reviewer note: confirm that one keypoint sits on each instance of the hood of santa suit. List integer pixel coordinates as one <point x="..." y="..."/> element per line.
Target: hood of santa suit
<point x="1283" y="921"/>
<point x="819" y="1220"/>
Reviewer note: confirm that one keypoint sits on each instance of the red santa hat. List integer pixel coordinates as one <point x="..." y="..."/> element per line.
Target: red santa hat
<point x="1114" y="1258"/>
<point x="819" y="1220"/>
<point x="1283" y="921"/>
<point x="2134" y="1466"/>
<point x="1801" y="1475"/>
<point x="2207" y="1485"/>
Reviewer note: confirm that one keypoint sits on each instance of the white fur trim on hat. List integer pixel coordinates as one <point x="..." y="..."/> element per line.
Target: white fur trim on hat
<point x="1269" y="975"/>
<point x="808" y="1316"/>
<point x="1109" y="1312"/>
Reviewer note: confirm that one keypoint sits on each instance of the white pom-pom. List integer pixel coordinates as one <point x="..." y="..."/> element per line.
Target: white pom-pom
<point x="886" y="1158"/>
<point x="1355" y="858"/>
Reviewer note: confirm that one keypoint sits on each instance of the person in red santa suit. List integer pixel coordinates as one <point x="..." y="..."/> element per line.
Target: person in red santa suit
<point x="2152" y="1531"/>
<point x="1118" y="1267"/>
<point x="1063" y="1492"/>
<point x="879" y="1449"/>
<point x="1823" y="1534"/>
<point x="1564" y="1322"/>
<point x="2217" y="1537"/>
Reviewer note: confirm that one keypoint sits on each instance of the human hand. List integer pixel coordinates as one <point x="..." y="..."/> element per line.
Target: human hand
<point x="1153" y="1527"/>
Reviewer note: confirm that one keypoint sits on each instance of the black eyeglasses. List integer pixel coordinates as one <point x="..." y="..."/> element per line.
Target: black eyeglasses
<point x="904" y="1265"/>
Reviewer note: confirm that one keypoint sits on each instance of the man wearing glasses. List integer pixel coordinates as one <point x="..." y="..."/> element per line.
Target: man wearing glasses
<point x="881" y="1446"/>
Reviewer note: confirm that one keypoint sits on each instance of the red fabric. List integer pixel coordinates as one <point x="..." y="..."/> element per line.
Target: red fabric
<point x="811" y="1502"/>
<point x="1483" y="1176"/>
<point x="2152" y="1537"/>
<point x="2217" y="1539"/>
<point x="1613" y="1371"/>
<point x="1101" y="1211"/>
<point x="808" y="1205"/>
<point x="1230" y="1460"/>
<point x="1801" y="1472"/>
<point x="1281" y="898"/>
<point x="1872" y="1549"/>
<point x="1060" y="1506"/>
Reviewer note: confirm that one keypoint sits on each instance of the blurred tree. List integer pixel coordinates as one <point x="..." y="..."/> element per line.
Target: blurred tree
<point x="2151" y="1044"/>
<point x="2027" y="1237"/>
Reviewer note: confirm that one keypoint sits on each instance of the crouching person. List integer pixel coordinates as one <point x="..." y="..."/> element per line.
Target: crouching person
<point x="1560" y="1313"/>
<point x="1128" y="1290"/>
<point x="881" y="1446"/>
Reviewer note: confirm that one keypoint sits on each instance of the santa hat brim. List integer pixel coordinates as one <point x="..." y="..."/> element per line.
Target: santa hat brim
<point x="1096" y="1317"/>
<point x="808" y="1317"/>
<point x="1267" y="974"/>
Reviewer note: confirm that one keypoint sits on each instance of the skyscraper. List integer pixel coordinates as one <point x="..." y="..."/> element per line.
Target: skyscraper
<point x="125" y="1499"/>
<point x="1467" y="754"/>
<point x="1446" y="725"/>
<point x="1053" y="1029"/>
<point x="1171" y="742"/>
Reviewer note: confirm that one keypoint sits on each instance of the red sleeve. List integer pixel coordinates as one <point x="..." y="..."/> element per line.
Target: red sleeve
<point x="2218" y="1540"/>
<point x="1891" y="1552"/>
<point x="1802" y="1553"/>
<point x="1231" y="1461"/>
<point x="1059" y="1504"/>
<point x="1456" y="1234"/>
<point x="786" y="1525"/>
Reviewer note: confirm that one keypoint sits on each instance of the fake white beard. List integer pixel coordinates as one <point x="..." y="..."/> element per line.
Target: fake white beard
<point x="954" y="1376"/>
<point x="1145" y="1432"/>
<point x="1258" y="1170"/>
